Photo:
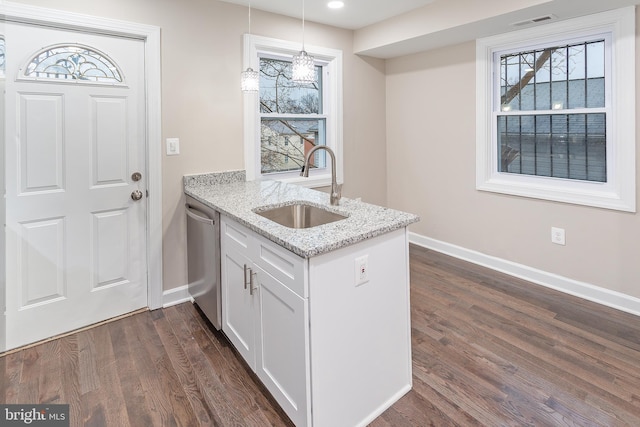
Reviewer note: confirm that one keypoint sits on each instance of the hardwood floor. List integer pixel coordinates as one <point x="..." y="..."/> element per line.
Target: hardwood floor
<point x="488" y="349"/>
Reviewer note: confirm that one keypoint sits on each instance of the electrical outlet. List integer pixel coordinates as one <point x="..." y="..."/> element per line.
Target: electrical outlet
<point x="362" y="269"/>
<point x="557" y="236"/>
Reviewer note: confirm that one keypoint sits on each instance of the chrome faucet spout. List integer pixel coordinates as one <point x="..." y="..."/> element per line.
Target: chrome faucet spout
<point x="336" y="190"/>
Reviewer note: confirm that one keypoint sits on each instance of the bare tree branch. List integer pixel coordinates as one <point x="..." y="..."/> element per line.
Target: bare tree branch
<point x="524" y="81"/>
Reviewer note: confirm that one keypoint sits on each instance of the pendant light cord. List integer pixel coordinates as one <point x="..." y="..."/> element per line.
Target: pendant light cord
<point x="249" y="17"/>
<point x="302" y="24"/>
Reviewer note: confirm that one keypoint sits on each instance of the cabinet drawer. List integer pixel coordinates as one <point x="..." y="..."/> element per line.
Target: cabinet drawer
<point x="279" y="262"/>
<point x="235" y="236"/>
<point x="284" y="265"/>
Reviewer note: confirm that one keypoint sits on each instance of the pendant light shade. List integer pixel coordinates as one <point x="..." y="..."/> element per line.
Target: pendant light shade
<point x="250" y="79"/>
<point x="303" y="68"/>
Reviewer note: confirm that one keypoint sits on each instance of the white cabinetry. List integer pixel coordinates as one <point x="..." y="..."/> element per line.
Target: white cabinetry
<point x="238" y="306"/>
<point x="265" y="315"/>
<point x="331" y="352"/>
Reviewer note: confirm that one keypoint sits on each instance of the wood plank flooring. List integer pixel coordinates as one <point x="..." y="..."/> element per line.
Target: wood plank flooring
<point x="488" y="349"/>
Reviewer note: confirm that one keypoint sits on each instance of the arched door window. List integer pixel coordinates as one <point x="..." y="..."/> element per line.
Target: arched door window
<point x="73" y="63"/>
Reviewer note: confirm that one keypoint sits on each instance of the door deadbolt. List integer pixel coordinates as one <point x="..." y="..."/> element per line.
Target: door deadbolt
<point x="137" y="176"/>
<point x="136" y="195"/>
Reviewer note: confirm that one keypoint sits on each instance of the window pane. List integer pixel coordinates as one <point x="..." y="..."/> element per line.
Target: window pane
<point x="510" y="90"/>
<point x="553" y="78"/>
<point x="561" y="145"/>
<point x="284" y="143"/>
<point x="279" y="94"/>
<point x="558" y="165"/>
<point x="595" y="60"/>
<point x="595" y="75"/>
<point x="596" y="147"/>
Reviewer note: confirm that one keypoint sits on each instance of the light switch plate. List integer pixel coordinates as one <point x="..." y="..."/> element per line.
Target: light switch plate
<point x="173" y="146"/>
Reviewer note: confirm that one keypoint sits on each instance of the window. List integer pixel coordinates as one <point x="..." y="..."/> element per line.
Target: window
<point x="565" y="141"/>
<point x="73" y="63"/>
<point x="556" y="109"/>
<point x="288" y="110"/>
<point x="285" y="120"/>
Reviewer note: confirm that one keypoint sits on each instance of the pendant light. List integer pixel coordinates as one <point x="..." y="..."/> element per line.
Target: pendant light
<point x="303" y="69"/>
<point x="249" y="79"/>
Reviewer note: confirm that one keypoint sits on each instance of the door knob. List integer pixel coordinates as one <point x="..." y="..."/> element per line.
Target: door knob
<point x="136" y="176"/>
<point x="136" y="195"/>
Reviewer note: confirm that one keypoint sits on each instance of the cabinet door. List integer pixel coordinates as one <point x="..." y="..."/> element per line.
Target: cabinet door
<point x="282" y="346"/>
<point x="238" y="317"/>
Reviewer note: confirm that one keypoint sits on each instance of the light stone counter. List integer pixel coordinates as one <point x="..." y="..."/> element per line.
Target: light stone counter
<point x="231" y="195"/>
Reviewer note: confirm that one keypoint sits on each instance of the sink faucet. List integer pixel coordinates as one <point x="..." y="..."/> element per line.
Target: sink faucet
<point x="336" y="190"/>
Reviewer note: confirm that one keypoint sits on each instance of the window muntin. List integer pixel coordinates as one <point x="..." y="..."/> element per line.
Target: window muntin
<point x="570" y="146"/>
<point x="616" y="118"/>
<point x="72" y="63"/>
<point x="537" y="134"/>
<point x="554" y="78"/>
<point x="291" y="118"/>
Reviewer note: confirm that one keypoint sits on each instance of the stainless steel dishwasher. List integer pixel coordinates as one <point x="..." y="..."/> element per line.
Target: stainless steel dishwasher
<point x="203" y="259"/>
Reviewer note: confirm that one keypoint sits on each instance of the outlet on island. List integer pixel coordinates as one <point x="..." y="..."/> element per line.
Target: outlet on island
<point x="362" y="270"/>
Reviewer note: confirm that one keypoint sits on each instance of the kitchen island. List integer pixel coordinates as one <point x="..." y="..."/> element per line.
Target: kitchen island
<point x="320" y="314"/>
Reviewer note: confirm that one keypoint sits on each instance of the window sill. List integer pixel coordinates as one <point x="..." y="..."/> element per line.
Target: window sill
<point x="311" y="182"/>
<point x="599" y="195"/>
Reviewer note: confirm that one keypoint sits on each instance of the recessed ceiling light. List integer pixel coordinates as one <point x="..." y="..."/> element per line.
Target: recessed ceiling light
<point x="335" y="4"/>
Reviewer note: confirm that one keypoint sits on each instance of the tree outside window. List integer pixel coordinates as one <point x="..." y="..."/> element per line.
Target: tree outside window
<point x="291" y="118"/>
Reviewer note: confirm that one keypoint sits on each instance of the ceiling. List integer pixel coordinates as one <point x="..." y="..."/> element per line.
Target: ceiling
<point x="355" y="14"/>
<point x="392" y="28"/>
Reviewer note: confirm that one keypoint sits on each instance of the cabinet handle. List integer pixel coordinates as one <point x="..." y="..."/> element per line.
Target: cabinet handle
<point x="251" y="287"/>
<point x="245" y="275"/>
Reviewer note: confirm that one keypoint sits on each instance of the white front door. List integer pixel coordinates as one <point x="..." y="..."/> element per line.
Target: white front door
<point x="75" y="137"/>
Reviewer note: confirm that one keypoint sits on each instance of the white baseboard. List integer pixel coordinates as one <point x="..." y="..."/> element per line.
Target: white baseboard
<point x="583" y="290"/>
<point x="176" y="296"/>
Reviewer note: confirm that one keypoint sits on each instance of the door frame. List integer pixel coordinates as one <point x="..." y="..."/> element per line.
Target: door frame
<point x="150" y="35"/>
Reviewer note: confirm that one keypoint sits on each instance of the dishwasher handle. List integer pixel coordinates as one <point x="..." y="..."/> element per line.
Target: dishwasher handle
<point x="198" y="215"/>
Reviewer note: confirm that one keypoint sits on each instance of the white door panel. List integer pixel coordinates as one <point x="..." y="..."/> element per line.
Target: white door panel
<point x="41" y="142"/>
<point x="75" y="239"/>
<point x="41" y="261"/>
<point x="109" y="140"/>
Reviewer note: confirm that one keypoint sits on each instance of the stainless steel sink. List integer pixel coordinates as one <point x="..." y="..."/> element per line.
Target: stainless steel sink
<point x="300" y="215"/>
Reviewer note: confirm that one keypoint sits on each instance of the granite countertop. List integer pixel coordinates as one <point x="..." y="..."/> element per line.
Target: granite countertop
<point x="231" y="195"/>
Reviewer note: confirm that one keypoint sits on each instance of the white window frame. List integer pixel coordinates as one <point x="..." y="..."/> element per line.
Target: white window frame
<point x="331" y="59"/>
<point x="2" y="70"/>
<point x="619" y="192"/>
